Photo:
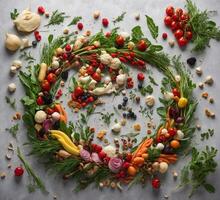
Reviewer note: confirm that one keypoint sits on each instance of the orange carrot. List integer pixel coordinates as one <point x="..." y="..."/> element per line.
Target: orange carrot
<point x="63" y="115"/>
<point x="169" y="158"/>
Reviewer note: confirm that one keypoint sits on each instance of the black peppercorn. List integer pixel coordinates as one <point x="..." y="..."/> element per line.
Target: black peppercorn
<point x="64" y="75"/>
<point x="191" y="61"/>
<point x="125" y="99"/>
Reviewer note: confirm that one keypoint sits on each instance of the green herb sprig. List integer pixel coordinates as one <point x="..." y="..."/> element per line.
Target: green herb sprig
<point x="75" y="20"/>
<point x="27" y="57"/>
<point x="195" y="175"/>
<point x="152" y="27"/>
<point x="119" y="18"/>
<point x="14" y="14"/>
<point x="13" y="130"/>
<point x="204" y="29"/>
<point x="147" y="89"/>
<point x="106" y="117"/>
<point x="56" y="18"/>
<point x="11" y="102"/>
<point x="207" y="134"/>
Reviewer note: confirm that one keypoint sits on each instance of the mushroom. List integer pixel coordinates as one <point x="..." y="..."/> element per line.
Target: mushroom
<point x="12" y="42"/>
<point x="27" y="21"/>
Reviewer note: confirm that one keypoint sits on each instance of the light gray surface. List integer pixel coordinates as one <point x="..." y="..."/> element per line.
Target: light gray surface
<point x="209" y="61"/>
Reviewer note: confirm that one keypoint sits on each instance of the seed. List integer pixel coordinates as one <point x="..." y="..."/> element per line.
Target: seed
<point x="137" y="99"/>
<point x="137" y="16"/>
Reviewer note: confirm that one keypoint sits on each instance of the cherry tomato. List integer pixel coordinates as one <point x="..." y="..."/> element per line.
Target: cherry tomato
<point x="164" y="36"/>
<point x="175" y="17"/>
<point x="142" y="45"/>
<point x="120" y="41"/>
<point x="179" y="11"/>
<point x="19" y="171"/>
<point x="168" y="20"/>
<point x="40" y="101"/>
<point x="172" y="131"/>
<point x="170" y="10"/>
<point x="51" y="77"/>
<point x="173" y="26"/>
<point x="41" y="10"/>
<point x="140" y="76"/>
<point x="105" y="22"/>
<point x="45" y="85"/>
<point x="80" y="26"/>
<point x="176" y="92"/>
<point x="178" y="33"/>
<point x="96" y="76"/>
<point x="155" y="183"/>
<point x="188" y="35"/>
<point x="181" y="25"/>
<point x="182" y="42"/>
<point x="90" y="99"/>
<point x="68" y="47"/>
<point x="184" y="17"/>
<point x="90" y="70"/>
<point x="78" y="91"/>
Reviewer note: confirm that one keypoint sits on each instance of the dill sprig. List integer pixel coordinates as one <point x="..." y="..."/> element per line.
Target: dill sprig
<point x="203" y="28"/>
<point x="11" y="102"/>
<point x="56" y="18"/>
<point x="75" y="20"/>
<point x="14" y="14"/>
<point x="119" y="18"/>
<point x="13" y="130"/>
<point x="195" y="175"/>
<point x="37" y="183"/>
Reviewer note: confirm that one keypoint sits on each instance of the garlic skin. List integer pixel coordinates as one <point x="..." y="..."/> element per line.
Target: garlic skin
<point x="12" y="42"/>
<point x="116" y="128"/>
<point x="163" y="167"/>
<point x="150" y="100"/>
<point x="12" y="87"/>
<point x="40" y="116"/>
<point x="27" y="21"/>
<point x="199" y="71"/>
<point x="107" y="80"/>
<point x="131" y="45"/>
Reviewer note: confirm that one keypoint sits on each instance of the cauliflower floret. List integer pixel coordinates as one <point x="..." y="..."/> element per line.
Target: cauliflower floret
<point x="115" y="63"/>
<point x="105" y="59"/>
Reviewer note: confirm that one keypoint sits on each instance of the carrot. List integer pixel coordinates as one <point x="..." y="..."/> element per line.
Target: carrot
<point x="142" y="148"/>
<point x="169" y="158"/>
<point x="63" y="115"/>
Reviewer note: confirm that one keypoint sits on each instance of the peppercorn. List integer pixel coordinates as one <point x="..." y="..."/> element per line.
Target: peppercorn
<point x="119" y="106"/>
<point x="34" y="43"/>
<point x="64" y="75"/>
<point x="191" y="61"/>
<point x="124" y="104"/>
<point x="125" y="99"/>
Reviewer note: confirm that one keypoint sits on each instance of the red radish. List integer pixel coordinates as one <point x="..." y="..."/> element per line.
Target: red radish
<point x="38" y="38"/>
<point x="41" y="10"/>
<point x="105" y="22"/>
<point x="80" y="26"/>
<point x="142" y="45"/>
<point x="78" y="91"/>
<point x="40" y="101"/>
<point x="51" y="77"/>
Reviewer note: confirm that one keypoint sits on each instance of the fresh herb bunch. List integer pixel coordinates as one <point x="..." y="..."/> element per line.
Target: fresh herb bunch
<point x="119" y="18"/>
<point x="203" y="28"/>
<point x="195" y="175"/>
<point x="75" y="20"/>
<point x="56" y="18"/>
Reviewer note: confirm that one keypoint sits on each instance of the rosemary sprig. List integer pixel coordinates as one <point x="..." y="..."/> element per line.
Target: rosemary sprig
<point x="119" y="18"/>
<point x="152" y="80"/>
<point x="37" y="183"/>
<point x="56" y="18"/>
<point x="14" y="14"/>
<point x="75" y="20"/>
<point x="106" y="117"/>
<point x="207" y="134"/>
<point x="12" y="103"/>
<point x="13" y="130"/>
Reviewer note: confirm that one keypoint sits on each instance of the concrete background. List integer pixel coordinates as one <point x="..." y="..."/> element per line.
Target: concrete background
<point x="209" y="61"/>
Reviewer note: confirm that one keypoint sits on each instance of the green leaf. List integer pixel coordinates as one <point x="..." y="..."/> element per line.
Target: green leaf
<point x="209" y="188"/>
<point x="27" y="101"/>
<point x="56" y="18"/>
<point x="50" y="38"/>
<point x="136" y="34"/>
<point x="75" y="20"/>
<point x="154" y="48"/>
<point x="14" y="14"/>
<point x="152" y="27"/>
<point x="119" y="18"/>
<point x="76" y="136"/>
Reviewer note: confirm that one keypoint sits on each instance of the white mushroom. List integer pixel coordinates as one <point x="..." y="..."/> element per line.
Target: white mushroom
<point x="116" y="128"/>
<point x="12" y="42"/>
<point x="150" y="100"/>
<point x="11" y="87"/>
<point x="27" y="21"/>
<point x="163" y="167"/>
<point x="40" y="116"/>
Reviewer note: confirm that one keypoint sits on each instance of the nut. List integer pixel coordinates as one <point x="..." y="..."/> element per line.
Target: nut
<point x="201" y="85"/>
<point x="11" y="87"/>
<point x="66" y="31"/>
<point x="96" y="14"/>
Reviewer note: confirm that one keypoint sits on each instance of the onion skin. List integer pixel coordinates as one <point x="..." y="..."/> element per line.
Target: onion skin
<point x="85" y="155"/>
<point x="115" y="164"/>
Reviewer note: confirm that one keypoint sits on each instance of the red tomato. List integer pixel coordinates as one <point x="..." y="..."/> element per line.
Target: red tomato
<point x="155" y="183"/>
<point x="140" y="76"/>
<point x="188" y="35"/>
<point x="120" y="41"/>
<point x="176" y="92"/>
<point x="51" y="77"/>
<point x="80" y="26"/>
<point x="18" y="171"/>
<point x="170" y="10"/>
<point x="78" y="91"/>
<point x="174" y="26"/>
<point x="182" y="42"/>
<point x="105" y="22"/>
<point x="181" y="25"/>
<point x="175" y="17"/>
<point x="45" y="85"/>
<point x="179" y="11"/>
<point x="168" y="20"/>
<point x="142" y="45"/>
<point x="172" y="131"/>
<point x="178" y="33"/>
<point x="164" y="36"/>
<point x="90" y="70"/>
<point x="40" y="101"/>
<point x="96" y="76"/>
<point x="41" y="10"/>
<point x="184" y="17"/>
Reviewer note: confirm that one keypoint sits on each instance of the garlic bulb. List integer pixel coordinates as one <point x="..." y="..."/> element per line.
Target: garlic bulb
<point x="27" y="21"/>
<point x="163" y="167"/>
<point x="40" y="116"/>
<point x="12" y="42"/>
<point x="116" y="128"/>
<point x="150" y="100"/>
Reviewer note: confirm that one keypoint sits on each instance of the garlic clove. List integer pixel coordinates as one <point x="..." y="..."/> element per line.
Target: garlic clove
<point x="11" y="87"/>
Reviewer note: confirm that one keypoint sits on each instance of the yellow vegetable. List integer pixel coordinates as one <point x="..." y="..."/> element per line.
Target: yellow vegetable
<point x="68" y="148"/>
<point x="42" y="72"/>
<point x="182" y="102"/>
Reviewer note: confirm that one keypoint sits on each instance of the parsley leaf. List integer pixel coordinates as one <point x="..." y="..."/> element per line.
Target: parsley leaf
<point x="207" y="134"/>
<point x="152" y="80"/>
<point x="14" y="14"/>
<point x="119" y="18"/>
<point x="147" y="89"/>
<point x="13" y="130"/>
<point x="75" y="20"/>
<point x="136" y="34"/>
<point x="152" y="27"/>
<point x="12" y="103"/>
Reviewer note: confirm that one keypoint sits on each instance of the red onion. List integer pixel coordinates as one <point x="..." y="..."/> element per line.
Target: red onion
<point x="115" y="164"/>
<point x="85" y="155"/>
<point x="47" y="125"/>
<point x="95" y="158"/>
